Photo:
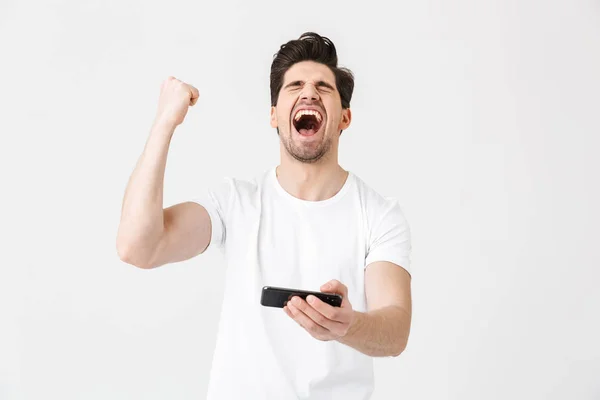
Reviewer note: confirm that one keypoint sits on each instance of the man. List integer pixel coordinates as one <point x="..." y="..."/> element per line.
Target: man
<point x="306" y="224"/>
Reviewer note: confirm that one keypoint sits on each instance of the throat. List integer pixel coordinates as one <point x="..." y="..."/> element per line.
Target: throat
<point x="321" y="185"/>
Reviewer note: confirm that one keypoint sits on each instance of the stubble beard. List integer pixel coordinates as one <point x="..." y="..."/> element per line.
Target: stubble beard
<point x="306" y="154"/>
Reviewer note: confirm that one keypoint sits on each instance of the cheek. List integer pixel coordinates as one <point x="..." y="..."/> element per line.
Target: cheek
<point x="333" y="118"/>
<point x="284" y="115"/>
<point x="283" y="118"/>
<point x="334" y="112"/>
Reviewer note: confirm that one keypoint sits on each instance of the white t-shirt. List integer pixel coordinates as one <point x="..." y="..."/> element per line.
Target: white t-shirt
<point x="271" y="238"/>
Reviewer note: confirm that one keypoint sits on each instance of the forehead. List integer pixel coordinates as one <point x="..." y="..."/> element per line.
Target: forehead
<point x="309" y="71"/>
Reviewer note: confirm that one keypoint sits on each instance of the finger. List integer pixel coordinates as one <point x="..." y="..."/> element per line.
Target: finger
<point x="289" y="314"/>
<point x="195" y="95"/>
<point x="311" y="326"/>
<point x="326" y="286"/>
<point x="315" y="315"/>
<point x="327" y="310"/>
<point x="335" y="286"/>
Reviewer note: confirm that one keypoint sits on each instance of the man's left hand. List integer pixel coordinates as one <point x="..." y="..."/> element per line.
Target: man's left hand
<point x="321" y="320"/>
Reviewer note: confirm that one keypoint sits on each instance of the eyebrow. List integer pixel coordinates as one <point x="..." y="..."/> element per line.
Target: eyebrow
<point x="319" y="84"/>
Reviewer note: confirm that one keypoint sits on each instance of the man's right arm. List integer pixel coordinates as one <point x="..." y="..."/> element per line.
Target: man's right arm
<point x="148" y="235"/>
<point x="186" y="234"/>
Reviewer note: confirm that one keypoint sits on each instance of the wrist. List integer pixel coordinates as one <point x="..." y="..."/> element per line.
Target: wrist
<point x="354" y="323"/>
<point x="163" y="127"/>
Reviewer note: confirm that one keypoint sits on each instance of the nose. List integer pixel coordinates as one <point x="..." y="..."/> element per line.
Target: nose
<point x="309" y="92"/>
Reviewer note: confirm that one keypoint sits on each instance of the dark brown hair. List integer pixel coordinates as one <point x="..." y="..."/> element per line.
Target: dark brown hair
<point x="310" y="47"/>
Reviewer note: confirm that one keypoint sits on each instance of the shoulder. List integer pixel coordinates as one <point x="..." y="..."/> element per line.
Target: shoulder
<point x="375" y="202"/>
<point x="379" y="210"/>
<point x="241" y="189"/>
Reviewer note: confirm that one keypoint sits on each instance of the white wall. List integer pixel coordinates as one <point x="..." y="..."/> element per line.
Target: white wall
<point x="481" y="116"/>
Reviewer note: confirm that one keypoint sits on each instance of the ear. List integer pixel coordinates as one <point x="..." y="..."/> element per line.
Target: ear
<point x="273" y="117"/>
<point x="345" y="120"/>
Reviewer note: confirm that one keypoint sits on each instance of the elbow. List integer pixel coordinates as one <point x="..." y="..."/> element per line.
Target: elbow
<point x="128" y="256"/>
<point x="396" y="353"/>
<point x="399" y="349"/>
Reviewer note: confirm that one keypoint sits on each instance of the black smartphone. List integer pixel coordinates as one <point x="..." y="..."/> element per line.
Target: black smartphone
<point x="278" y="296"/>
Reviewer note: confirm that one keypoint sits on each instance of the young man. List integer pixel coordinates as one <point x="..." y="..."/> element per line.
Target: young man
<point x="306" y="223"/>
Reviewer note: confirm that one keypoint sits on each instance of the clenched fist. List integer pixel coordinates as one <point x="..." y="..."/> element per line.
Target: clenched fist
<point x="175" y="98"/>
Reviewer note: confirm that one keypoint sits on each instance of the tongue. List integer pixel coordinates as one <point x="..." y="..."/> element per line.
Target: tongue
<point x="307" y="132"/>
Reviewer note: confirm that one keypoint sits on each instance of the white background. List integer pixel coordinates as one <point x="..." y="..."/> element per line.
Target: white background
<point x="482" y="117"/>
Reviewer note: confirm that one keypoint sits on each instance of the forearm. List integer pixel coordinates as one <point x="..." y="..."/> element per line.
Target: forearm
<point x="379" y="333"/>
<point x="142" y="223"/>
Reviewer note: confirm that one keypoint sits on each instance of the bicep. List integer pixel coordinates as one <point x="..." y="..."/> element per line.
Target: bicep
<point x="387" y="284"/>
<point x="187" y="233"/>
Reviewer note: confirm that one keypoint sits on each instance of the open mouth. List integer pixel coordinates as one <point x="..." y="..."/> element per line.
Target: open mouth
<point x="307" y="122"/>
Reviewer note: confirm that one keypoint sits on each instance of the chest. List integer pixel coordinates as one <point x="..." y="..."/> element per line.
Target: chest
<point x="305" y="249"/>
<point x="271" y="245"/>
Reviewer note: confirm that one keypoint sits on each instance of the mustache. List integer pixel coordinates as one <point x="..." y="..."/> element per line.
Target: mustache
<point x="317" y="105"/>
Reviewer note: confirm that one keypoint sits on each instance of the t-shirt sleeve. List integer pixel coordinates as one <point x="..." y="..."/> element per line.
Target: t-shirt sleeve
<point x="390" y="237"/>
<point x="217" y="201"/>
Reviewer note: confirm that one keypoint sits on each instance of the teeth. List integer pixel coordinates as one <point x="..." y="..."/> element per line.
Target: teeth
<point x="308" y="112"/>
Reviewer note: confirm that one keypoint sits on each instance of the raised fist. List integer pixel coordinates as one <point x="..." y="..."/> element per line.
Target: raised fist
<point x="175" y="98"/>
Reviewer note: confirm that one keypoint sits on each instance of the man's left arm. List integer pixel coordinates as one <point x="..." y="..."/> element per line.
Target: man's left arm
<point x="382" y="331"/>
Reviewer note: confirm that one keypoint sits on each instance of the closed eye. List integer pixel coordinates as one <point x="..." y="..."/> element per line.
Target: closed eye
<point x="321" y="86"/>
<point x="295" y="85"/>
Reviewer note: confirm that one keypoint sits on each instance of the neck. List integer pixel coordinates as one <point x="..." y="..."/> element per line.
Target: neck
<point x="311" y="182"/>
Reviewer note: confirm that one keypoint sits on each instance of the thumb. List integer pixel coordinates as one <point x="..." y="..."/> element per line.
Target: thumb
<point x="335" y="286"/>
<point x="326" y="286"/>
